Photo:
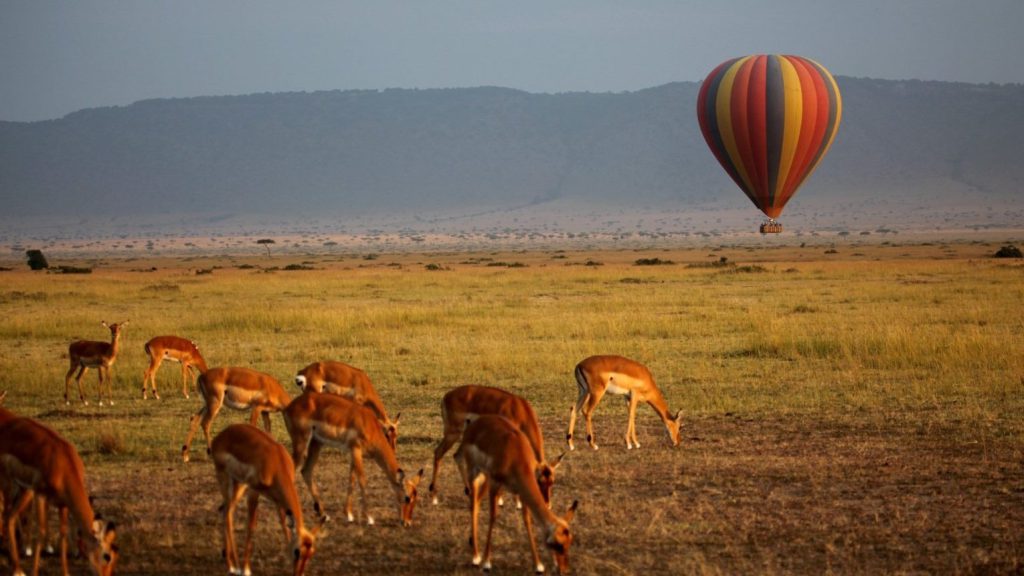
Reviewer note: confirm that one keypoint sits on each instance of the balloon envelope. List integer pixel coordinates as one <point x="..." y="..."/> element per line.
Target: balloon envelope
<point x="769" y="120"/>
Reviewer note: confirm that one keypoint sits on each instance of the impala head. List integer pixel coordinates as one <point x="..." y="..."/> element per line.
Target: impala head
<point x="115" y="328"/>
<point x="102" y="551"/>
<point x="407" y="495"/>
<point x="390" y="428"/>
<point x="560" y="539"/>
<point x="304" y="546"/>
<point x="672" y="425"/>
<point x="546" y="477"/>
<point x="306" y="383"/>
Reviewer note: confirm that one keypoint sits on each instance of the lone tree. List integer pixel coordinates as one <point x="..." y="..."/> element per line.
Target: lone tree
<point x="266" y="243"/>
<point x="36" y="260"/>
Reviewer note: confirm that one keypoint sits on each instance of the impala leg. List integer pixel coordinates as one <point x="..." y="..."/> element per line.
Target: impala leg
<point x="78" y="380"/>
<point x="357" y="470"/>
<point x="150" y="376"/>
<point x="312" y="455"/>
<point x="253" y="503"/>
<point x="266" y="419"/>
<point x="64" y="539"/>
<point x="13" y="507"/>
<point x="42" y="534"/>
<point x="186" y="373"/>
<point x="593" y="399"/>
<point x="631" y="440"/>
<point x="207" y="420"/>
<point x="232" y="493"/>
<point x="201" y="416"/>
<point x="67" y="380"/>
<point x="103" y="373"/>
<point x="494" y="496"/>
<point x="475" y="493"/>
<point x="446" y="443"/>
<point x="580" y="400"/>
<point x="528" y="523"/>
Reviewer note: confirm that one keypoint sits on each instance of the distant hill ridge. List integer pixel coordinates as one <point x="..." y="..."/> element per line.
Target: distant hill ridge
<point x="440" y="149"/>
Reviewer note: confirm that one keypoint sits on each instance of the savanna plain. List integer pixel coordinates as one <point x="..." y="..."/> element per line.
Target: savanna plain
<point x="850" y="411"/>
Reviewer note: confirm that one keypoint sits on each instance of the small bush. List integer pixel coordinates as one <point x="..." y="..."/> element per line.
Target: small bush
<point x="652" y="262"/>
<point x="110" y="441"/>
<point x="72" y="270"/>
<point x="1009" y="251"/>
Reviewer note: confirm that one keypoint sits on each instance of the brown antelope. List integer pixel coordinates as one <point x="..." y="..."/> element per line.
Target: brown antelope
<point x="315" y="420"/>
<point x="36" y="464"/>
<point x="495" y="454"/>
<point x="85" y="354"/>
<point x="246" y="457"/>
<point x="465" y="403"/>
<point x="597" y="375"/>
<point x="351" y="382"/>
<point x="176" y="349"/>
<point x="237" y="388"/>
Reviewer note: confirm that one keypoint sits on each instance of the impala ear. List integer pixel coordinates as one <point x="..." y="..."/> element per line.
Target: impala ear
<point x="104" y="324"/>
<point x="571" y="512"/>
<point x="558" y="460"/>
<point x="397" y="418"/>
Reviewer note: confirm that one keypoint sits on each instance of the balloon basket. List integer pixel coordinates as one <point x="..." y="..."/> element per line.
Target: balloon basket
<point x="771" y="227"/>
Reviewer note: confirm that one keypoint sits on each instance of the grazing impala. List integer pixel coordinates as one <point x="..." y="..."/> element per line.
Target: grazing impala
<point x="246" y="457"/>
<point x="237" y="388"/>
<point x="315" y="420"/>
<point x="37" y="464"/>
<point x="351" y="382"/>
<point x="495" y="454"/>
<point x="85" y="354"/>
<point x="465" y="403"/>
<point x="617" y="375"/>
<point x="176" y="349"/>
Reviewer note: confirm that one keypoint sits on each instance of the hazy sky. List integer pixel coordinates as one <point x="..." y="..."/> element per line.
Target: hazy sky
<point x="60" y="56"/>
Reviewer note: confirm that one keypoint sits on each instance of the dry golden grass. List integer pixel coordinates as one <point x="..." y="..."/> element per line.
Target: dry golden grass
<point x="857" y="412"/>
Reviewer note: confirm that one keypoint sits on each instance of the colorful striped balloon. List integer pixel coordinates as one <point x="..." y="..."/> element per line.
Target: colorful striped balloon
<point x="769" y="120"/>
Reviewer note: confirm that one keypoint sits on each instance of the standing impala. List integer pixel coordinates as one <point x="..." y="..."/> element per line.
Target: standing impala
<point x="85" y="354"/>
<point x="237" y="388"/>
<point x="315" y="420"/>
<point x="37" y="464"/>
<point x="351" y="382"/>
<point x="246" y="457"/>
<point x="495" y="454"/>
<point x="176" y="349"/>
<point x="466" y="403"/>
<point x="617" y="375"/>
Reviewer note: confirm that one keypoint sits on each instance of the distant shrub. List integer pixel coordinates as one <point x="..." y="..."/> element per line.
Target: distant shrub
<point x="293" y="267"/>
<point x="652" y="262"/>
<point x="748" y="269"/>
<point x="72" y="270"/>
<point x="722" y="262"/>
<point x="110" y="441"/>
<point x="1009" y="251"/>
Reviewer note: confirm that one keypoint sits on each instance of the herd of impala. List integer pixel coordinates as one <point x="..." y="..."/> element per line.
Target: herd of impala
<point x="500" y="448"/>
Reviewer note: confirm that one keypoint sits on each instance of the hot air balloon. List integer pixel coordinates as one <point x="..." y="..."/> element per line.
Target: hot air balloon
<point x="769" y="120"/>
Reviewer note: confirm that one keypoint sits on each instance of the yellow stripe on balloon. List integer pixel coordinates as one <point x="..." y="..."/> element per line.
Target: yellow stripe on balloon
<point x="794" y="99"/>
<point x="723" y="111"/>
